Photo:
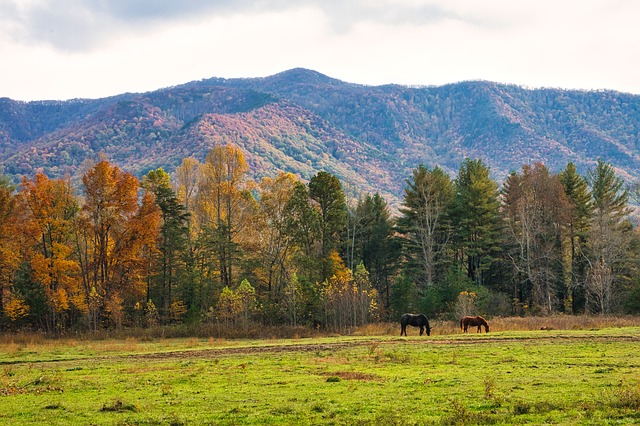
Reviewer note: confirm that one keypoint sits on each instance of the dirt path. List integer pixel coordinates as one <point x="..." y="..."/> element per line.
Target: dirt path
<point x="313" y="347"/>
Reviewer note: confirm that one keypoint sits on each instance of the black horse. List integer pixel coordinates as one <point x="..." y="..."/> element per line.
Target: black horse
<point x="415" y="320"/>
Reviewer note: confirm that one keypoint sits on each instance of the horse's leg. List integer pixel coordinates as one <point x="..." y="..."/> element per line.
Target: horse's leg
<point x="421" y="330"/>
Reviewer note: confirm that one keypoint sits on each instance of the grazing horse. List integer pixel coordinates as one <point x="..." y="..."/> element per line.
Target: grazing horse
<point x="415" y="320"/>
<point x="474" y="321"/>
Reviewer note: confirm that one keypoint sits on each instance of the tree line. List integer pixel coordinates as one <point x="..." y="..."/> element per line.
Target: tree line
<point x="210" y="245"/>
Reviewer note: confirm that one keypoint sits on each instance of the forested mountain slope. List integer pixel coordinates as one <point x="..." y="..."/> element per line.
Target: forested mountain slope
<point x="303" y="122"/>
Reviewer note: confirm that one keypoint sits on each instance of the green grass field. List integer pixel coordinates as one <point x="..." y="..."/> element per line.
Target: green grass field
<point x="504" y="377"/>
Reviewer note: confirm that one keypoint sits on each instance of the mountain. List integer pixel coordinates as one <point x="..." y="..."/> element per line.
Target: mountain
<point x="302" y="121"/>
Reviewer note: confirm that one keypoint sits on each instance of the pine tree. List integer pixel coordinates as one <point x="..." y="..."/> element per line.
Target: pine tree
<point x="375" y="243"/>
<point x="326" y="191"/>
<point x="172" y="237"/>
<point x="476" y="219"/>
<point x="577" y="191"/>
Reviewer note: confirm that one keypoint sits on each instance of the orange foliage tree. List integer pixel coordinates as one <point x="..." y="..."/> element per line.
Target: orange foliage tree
<point x="9" y="246"/>
<point x="116" y="232"/>
<point x="50" y="208"/>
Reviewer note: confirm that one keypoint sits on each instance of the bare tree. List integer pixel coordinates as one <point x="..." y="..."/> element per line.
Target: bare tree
<point x="600" y="287"/>
<point x="609" y="237"/>
<point x="427" y="202"/>
<point x="535" y="208"/>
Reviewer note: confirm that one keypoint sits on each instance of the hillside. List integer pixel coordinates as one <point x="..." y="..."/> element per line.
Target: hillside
<point x="303" y="122"/>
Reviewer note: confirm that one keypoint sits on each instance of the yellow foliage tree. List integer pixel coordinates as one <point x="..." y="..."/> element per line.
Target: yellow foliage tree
<point x="229" y="305"/>
<point x="223" y="206"/>
<point x="15" y="307"/>
<point x="349" y="299"/>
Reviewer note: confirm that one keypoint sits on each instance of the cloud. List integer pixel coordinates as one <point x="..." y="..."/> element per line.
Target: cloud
<point x="59" y="49"/>
<point x="82" y="25"/>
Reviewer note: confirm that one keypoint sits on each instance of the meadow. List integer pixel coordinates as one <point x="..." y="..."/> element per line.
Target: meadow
<point x="574" y="372"/>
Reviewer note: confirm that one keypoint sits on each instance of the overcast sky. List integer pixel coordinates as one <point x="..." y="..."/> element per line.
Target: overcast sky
<point x="62" y="49"/>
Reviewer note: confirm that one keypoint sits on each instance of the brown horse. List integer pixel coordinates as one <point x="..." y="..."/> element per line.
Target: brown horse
<point x="474" y="321"/>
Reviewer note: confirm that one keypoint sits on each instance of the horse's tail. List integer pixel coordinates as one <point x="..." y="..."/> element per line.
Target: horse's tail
<point x="461" y="320"/>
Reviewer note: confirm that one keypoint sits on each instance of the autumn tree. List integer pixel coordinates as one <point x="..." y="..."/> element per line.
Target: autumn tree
<point x="199" y="261"/>
<point x="114" y="229"/>
<point x="292" y="302"/>
<point x="274" y="245"/>
<point x="536" y="211"/>
<point x="228" y="306"/>
<point x="349" y="300"/>
<point x="9" y="250"/>
<point x="302" y="223"/>
<point x="247" y="300"/>
<point x="187" y="178"/>
<point x="223" y="205"/>
<point x="50" y="208"/>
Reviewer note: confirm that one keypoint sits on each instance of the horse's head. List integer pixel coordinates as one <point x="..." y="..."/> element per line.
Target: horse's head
<point x="486" y="328"/>
<point x="428" y="330"/>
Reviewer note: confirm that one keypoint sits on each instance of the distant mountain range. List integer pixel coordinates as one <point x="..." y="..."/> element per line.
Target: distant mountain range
<point x="303" y="122"/>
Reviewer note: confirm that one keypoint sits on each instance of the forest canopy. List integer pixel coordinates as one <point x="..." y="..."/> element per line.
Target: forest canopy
<point x="207" y="244"/>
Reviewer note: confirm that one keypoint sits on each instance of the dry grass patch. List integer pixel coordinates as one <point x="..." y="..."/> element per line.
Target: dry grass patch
<point x="562" y="322"/>
<point x="552" y="322"/>
<point x="118" y="406"/>
<point x="354" y="375"/>
<point x="337" y="360"/>
<point x="22" y="338"/>
<point x="130" y="344"/>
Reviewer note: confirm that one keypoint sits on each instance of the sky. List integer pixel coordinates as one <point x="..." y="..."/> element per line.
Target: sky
<point x="64" y="49"/>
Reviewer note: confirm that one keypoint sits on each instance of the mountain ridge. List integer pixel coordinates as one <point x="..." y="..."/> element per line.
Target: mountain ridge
<point x="302" y="121"/>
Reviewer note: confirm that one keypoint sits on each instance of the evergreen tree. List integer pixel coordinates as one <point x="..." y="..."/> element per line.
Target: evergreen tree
<point x="476" y="219"/>
<point x="325" y="189"/>
<point x="577" y="191"/>
<point x="302" y="223"/>
<point x="172" y="238"/>
<point x="375" y="243"/>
